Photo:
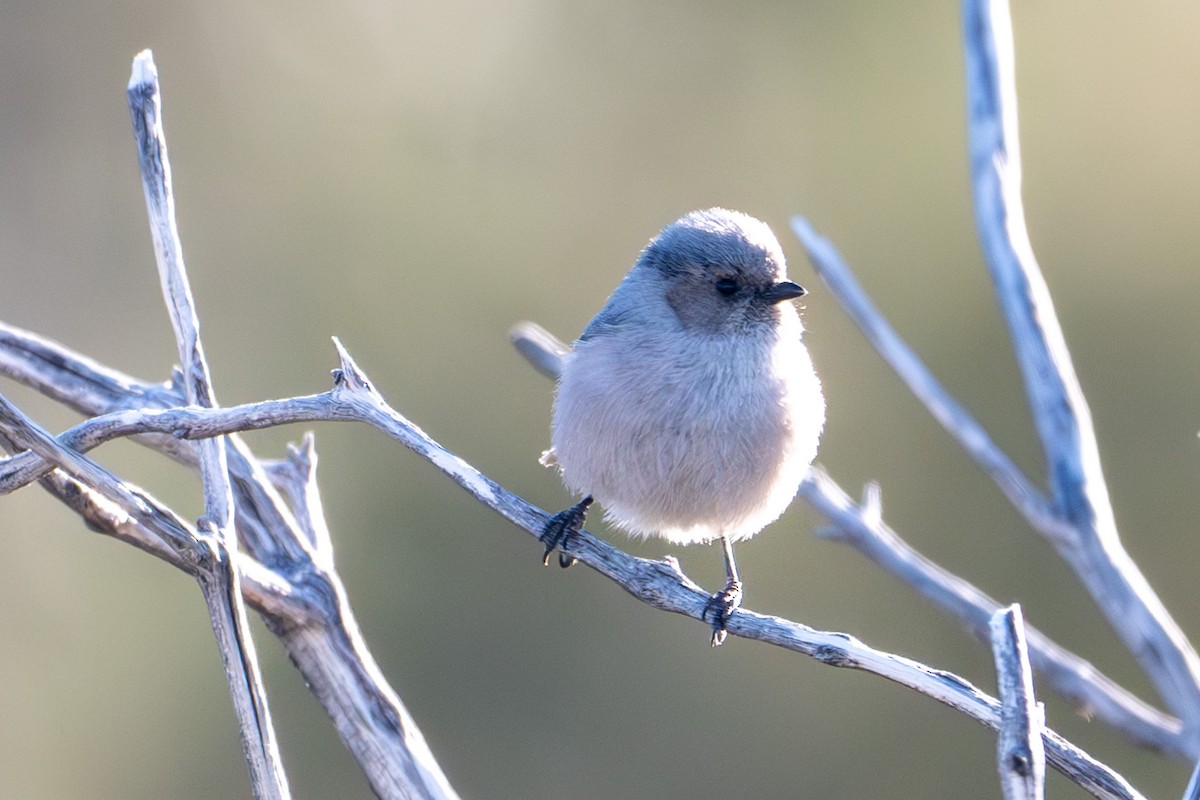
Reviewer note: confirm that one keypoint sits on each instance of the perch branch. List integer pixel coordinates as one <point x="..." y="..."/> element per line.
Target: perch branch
<point x="662" y="585"/>
<point x="1074" y="678"/>
<point x="863" y="528"/>
<point x="1059" y="409"/>
<point x="218" y="577"/>
<point x="1019" y="752"/>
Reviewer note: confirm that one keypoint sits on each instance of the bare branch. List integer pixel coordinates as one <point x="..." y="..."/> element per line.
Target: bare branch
<point x="841" y="650"/>
<point x="1074" y="678"/>
<point x="1091" y="548"/>
<point x="862" y="527"/>
<point x="72" y="378"/>
<point x="1020" y="755"/>
<point x="265" y="590"/>
<point x="172" y="532"/>
<point x="308" y="610"/>
<point x="219" y="579"/>
<point x="958" y="422"/>
<point x="146" y="109"/>
<point x="338" y="666"/>
<point x="662" y="585"/>
<point x="1192" y="792"/>
<point x="1060" y="411"/>
<point x="297" y="538"/>
<point x="189" y="422"/>
<point x="296" y="477"/>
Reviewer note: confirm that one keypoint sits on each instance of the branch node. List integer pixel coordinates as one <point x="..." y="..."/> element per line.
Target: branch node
<point x="348" y="375"/>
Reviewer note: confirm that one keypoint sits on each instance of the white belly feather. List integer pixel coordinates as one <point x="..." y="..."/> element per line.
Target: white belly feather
<point x="690" y="450"/>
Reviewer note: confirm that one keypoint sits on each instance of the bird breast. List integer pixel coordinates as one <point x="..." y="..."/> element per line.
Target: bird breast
<point x="689" y="438"/>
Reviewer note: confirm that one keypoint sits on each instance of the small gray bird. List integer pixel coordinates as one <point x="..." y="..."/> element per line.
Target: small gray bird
<point x="689" y="407"/>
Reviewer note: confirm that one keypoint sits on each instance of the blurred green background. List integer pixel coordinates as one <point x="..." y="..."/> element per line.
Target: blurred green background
<point x="416" y="177"/>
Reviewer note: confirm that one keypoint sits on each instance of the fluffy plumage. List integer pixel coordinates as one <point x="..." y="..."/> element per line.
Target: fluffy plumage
<point x="689" y="407"/>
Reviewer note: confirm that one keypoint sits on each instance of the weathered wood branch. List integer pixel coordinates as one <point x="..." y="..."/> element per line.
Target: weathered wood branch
<point x="1025" y="496"/>
<point x="303" y="601"/>
<point x="660" y="584"/>
<point x="1020" y="757"/>
<point x="217" y="575"/>
<point x="1093" y="547"/>
<point x="1078" y="521"/>
<point x="862" y="527"/>
<point x="287" y="568"/>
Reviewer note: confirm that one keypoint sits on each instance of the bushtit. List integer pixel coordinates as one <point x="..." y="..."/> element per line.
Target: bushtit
<point x="689" y="407"/>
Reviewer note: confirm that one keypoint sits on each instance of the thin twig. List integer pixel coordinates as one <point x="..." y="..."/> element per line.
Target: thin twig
<point x="265" y="590"/>
<point x="862" y="527"/>
<point x="1025" y="497"/>
<point x="172" y="532"/>
<point x="1059" y="409"/>
<point x="189" y="422"/>
<point x="218" y="578"/>
<point x="1019" y="753"/>
<point x="296" y="477"/>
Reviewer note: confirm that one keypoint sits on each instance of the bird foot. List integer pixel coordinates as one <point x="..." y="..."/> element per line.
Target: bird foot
<point x="721" y="607"/>
<point x="559" y="529"/>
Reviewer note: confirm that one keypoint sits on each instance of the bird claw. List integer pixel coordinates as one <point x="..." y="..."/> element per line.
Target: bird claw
<point x="559" y="529"/>
<point x="721" y="607"/>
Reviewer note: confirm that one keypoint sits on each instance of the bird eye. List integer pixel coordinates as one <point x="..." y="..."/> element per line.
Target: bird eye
<point x="727" y="286"/>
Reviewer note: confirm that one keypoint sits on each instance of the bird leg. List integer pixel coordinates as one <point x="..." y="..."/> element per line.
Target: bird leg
<point x="722" y="604"/>
<point x="559" y="529"/>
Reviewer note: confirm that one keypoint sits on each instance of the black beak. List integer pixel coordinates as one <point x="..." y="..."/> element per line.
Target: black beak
<point x="784" y="290"/>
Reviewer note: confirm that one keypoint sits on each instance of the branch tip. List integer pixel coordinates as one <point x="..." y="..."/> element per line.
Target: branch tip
<point x="144" y="73"/>
<point x="303" y="455"/>
<point x="348" y="375"/>
<point x="544" y="351"/>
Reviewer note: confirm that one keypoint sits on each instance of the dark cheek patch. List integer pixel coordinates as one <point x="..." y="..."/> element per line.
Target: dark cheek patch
<point x="697" y="308"/>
